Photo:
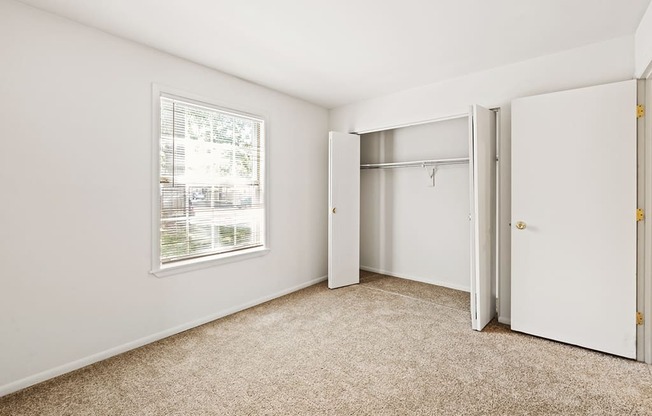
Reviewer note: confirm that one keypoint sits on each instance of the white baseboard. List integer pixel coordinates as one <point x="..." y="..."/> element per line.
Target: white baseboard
<point x="417" y="278"/>
<point x="103" y="355"/>
<point x="506" y="321"/>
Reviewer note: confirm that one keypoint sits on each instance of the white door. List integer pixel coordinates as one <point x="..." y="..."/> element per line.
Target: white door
<point x="573" y="217"/>
<point x="343" y="209"/>
<point x="482" y="165"/>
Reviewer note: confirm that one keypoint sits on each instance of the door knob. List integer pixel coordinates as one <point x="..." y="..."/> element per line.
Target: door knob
<point x="521" y="225"/>
<point x="334" y="210"/>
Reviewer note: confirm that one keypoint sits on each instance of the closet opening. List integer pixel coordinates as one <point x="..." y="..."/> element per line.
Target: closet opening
<point x="415" y="203"/>
<point x="419" y="204"/>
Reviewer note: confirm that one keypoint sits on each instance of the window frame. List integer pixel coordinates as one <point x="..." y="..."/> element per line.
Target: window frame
<point x="162" y="270"/>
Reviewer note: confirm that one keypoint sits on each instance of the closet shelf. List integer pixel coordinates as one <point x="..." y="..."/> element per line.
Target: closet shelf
<point x="415" y="163"/>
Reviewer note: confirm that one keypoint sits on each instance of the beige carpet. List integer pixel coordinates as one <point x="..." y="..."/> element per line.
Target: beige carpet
<point x="385" y="347"/>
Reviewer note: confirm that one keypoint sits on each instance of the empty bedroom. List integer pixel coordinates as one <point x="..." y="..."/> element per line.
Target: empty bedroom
<point x="339" y="208"/>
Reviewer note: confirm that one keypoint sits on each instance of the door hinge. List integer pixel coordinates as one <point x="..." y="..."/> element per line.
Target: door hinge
<point x="640" y="111"/>
<point x="639" y="318"/>
<point x="640" y="214"/>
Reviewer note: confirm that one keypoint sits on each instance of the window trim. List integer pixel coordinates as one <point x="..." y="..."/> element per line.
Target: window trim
<point x="162" y="270"/>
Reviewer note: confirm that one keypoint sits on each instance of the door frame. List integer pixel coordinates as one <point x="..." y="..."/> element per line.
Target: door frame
<point x="642" y="261"/>
<point x="644" y="267"/>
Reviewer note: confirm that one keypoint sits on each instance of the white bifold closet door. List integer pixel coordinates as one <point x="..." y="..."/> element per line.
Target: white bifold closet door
<point x="574" y="217"/>
<point x="482" y="165"/>
<point x="343" y="209"/>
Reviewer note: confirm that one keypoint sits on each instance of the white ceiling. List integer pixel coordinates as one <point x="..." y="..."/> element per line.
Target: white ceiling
<point x="333" y="52"/>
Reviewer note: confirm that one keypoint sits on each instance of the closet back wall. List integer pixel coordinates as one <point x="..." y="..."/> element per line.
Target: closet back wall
<point x="407" y="227"/>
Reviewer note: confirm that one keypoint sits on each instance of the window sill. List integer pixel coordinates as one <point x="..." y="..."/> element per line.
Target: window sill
<point x="206" y="262"/>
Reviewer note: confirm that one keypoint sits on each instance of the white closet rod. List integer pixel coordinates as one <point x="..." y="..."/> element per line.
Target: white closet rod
<point x="415" y="163"/>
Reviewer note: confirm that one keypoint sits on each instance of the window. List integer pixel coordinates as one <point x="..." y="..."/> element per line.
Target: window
<point x="211" y="191"/>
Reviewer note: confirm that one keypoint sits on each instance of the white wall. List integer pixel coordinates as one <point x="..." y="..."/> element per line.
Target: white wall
<point x="599" y="63"/>
<point x="76" y="174"/>
<point x="407" y="227"/>
<point x="643" y="44"/>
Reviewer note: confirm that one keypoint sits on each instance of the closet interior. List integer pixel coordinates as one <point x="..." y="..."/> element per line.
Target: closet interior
<point x="415" y="203"/>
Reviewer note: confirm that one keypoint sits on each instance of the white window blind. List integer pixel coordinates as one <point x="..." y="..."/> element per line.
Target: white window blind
<point x="211" y="181"/>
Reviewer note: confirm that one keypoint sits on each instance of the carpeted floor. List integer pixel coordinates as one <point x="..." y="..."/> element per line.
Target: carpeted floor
<point x="385" y="347"/>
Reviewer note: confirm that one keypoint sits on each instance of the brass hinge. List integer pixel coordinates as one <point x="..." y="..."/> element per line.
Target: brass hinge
<point x="640" y="214"/>
<point x="639" y="318"/>
<point x="640" y="111"/>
